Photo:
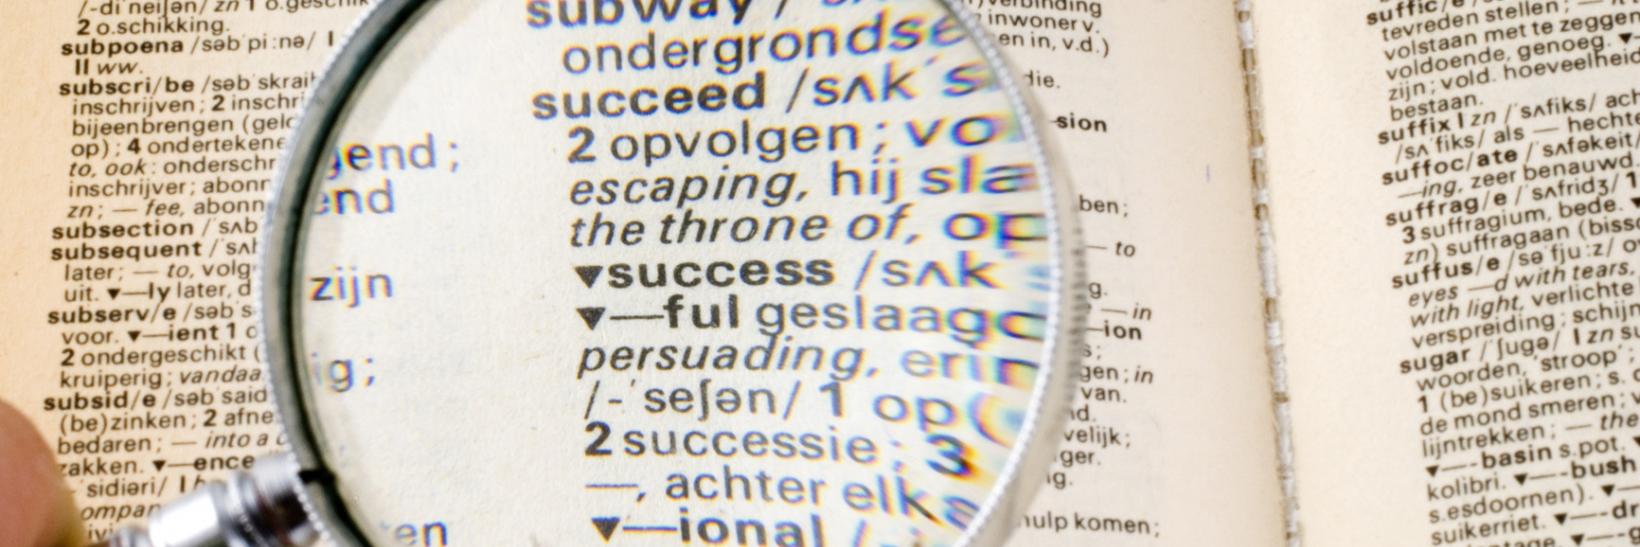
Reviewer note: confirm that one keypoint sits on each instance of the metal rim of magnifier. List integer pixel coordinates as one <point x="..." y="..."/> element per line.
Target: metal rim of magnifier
<point x="374" y="35"/>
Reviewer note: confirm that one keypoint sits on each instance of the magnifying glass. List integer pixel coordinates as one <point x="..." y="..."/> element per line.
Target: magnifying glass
<point x="657" y="272"/>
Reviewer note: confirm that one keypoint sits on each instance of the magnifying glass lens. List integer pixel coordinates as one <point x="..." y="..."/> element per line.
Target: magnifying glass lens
<point x="671" y="272"/>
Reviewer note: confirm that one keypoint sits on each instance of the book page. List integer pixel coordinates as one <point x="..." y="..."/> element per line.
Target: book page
<point x="1453" y="203"/>
<point x="140" y="136"/>
<point x="1172" y="438"/>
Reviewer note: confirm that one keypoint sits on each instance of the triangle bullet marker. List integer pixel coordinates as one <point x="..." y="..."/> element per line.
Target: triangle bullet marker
<point x="591" y="316"/>
<point x="589" y="274"/>
<point x="605" y="526"/>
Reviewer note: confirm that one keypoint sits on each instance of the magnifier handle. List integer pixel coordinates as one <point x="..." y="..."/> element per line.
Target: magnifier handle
<point x="255" y="508"/>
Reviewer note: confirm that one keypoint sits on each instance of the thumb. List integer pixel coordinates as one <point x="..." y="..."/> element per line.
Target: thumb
<point x="36" y="508"/>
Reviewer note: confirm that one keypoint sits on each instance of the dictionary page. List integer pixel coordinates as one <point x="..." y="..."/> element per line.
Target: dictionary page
<point x="138" y="137"/>
<point x="1172" y="437"/>
<point x="1455" y="214"/>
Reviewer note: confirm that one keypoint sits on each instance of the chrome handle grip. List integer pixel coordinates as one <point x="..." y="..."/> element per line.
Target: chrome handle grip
<point x="260" y="507"/>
